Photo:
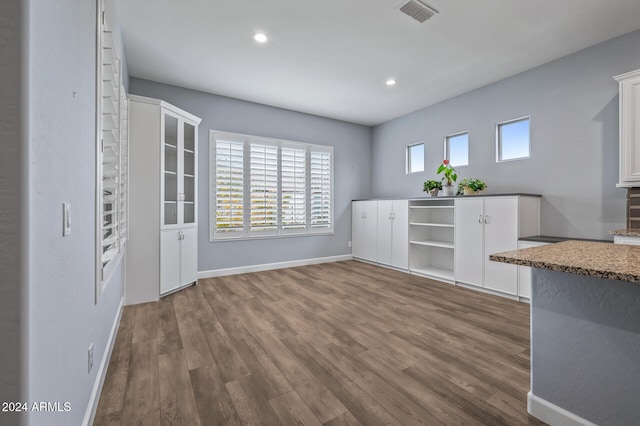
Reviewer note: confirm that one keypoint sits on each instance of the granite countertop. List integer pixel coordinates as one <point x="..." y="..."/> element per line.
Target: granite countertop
<point x="626" y="232"/>
<point x="604" y="260"/>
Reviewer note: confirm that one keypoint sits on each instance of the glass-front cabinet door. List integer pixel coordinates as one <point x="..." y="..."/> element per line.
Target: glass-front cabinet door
<point x="170" y="170"/>
<point x="188" y="175"/>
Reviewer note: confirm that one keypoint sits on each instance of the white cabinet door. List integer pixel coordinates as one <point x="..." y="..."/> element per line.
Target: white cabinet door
<point x="385" y="226"/>
<point x="357" y="228"/>
<point x="189" y="256"/>
<point x="468" y="241"/>
<point x="169" y="260"/>
<point x="500" y="234"/>
<point x="370" y="230"/>
<point x="400" y="235"/>
<point x="364" y="229"/>
<point x="629" y="129"/>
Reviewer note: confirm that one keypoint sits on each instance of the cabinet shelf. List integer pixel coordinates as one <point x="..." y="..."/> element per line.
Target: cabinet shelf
<point x="431" y="207"/>
<point x="437" y="225"/>
<point x="433" y="243"/>
<point x="445" y="274"/>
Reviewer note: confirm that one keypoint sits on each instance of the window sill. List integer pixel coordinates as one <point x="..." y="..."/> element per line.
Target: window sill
<point x="269" y="237"/>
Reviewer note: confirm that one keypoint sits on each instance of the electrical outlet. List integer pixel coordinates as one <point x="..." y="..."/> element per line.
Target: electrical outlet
<point x="90" y="358"/>
<point x="349" y="244"/>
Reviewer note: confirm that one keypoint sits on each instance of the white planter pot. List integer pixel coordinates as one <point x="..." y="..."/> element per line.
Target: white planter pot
<point x="448" y="191"/>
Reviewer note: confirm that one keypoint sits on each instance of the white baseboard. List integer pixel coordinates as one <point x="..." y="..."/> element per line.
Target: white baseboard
<point x="552" y="414"/>
<point x="269" y="266"/>
<point x="90" y="414"/>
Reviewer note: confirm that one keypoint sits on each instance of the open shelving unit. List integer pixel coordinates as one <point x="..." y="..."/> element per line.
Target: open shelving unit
<point x="431" y="238"/>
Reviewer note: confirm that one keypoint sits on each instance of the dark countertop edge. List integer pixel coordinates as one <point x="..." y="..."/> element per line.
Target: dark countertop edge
<point x="509" y="194"/>
<point x="551" y="239"/>
<point x="610" y="275"/>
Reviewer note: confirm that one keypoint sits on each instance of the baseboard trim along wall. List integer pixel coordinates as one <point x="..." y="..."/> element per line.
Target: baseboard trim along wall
<point x="90" y="414"/>
<point x="269" y="266"/>
<point x="552" y="414"/>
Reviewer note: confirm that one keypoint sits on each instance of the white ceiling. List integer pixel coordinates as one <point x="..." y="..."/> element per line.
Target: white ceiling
<point x="332" y="57"/>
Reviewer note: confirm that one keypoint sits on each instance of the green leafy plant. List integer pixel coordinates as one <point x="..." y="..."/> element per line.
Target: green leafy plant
<point x="432" y="184"/>
<point x="450" y="174"/>
<point x="473" y="184"/>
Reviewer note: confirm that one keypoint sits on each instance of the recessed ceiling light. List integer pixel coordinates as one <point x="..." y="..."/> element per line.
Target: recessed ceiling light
<point x="260" y="37"/>
<point x="391" y="82"/>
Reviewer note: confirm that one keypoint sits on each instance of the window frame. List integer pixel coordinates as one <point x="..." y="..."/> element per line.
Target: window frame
<point x="499" y="125"/>
<point x="408" y="158"/>
<point x="246" y="233"/>
<point x="447" y="147"/>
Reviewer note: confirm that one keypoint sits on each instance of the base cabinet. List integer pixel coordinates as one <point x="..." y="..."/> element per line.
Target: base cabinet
<point x="380" y="232"/>
<point x="487" y="225"/>
<point x="178" y="258"/>
<point x="364" y="229"/>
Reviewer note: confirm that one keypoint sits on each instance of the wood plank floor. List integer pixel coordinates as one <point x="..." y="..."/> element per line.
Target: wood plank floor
<point x="344" y="343"/>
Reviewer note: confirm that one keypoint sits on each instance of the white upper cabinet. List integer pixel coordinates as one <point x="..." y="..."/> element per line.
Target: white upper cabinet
<point x="629" y="129"/>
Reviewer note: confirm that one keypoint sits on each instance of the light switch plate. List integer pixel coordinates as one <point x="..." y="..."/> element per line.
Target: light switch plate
<point x="66" y="219"/>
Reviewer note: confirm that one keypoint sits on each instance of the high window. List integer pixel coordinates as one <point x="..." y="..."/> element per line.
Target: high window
<point x="512" y="139"/>
<point x="456" y="149"/>
<point x="268" y="187"/>
<point x="415" y="158"/>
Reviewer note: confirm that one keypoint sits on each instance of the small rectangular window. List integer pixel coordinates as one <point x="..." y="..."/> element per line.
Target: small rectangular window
<point x="513" y="139"/>
<point x="456" y="149"/>
<point x="415" y="158"/>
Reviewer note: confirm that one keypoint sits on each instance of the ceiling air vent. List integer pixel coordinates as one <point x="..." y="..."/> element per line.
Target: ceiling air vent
<point x="418" y="10"/>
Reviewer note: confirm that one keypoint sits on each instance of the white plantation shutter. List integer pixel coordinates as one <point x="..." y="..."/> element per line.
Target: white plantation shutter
<point x="264" y="187"/>
<point x="229" y="186"/>
<point x="110" y="154"/>
<point x="124" y="166"/>
<point x="321" y="189"/>
<point x="293" y="188"/>
<point x="267" y="187"/>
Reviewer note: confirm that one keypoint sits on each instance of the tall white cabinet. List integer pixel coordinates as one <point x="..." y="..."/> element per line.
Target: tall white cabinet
<point x="365" y="229"/>
<point x="487" y="225"/>
<point x="629" y="129"/>
<point x="163" y="235"/>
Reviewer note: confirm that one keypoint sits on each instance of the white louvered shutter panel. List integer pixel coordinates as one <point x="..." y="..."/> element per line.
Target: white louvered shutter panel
<point x="124" y="166"/>
<point x="320" y="175"/>
<point x="264" y="187"/>
<point x="110" y="151"/>
<point x="229" y="186"/>
<point x="293" y="188"/>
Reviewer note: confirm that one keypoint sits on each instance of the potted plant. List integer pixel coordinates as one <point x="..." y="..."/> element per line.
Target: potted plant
<point x="450" y="176"/>
<point x="471" y="186"/>
<point x="432" y="187"/>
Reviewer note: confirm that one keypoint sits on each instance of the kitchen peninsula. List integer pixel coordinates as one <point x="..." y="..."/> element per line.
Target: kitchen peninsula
<point x="585" y="331"/>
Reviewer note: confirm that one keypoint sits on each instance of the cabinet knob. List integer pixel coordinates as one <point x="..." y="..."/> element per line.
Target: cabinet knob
<point x="480" y="219"/>
<point x="486" y="218"/>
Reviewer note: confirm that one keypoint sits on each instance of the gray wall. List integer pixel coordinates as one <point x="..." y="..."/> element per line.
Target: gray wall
<point x="12" y="208"/>
<point x="352" y="168"/>
<point x="573" y="104"/>
<point x="585" y="350"/>
<point x="62" y="315"/>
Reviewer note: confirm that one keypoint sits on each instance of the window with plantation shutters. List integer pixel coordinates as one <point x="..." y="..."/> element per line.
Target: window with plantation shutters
<point x="286" y="188"/>
<point x="112" y="157"/>
<point x="293" y="188"/>
<point x="320" y="189"/>
<point x="229" y="186"/>
<point x="263" y="172"/>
